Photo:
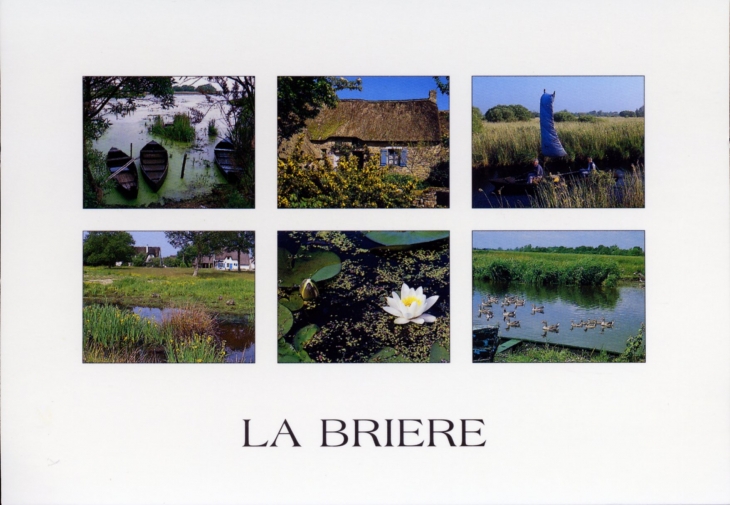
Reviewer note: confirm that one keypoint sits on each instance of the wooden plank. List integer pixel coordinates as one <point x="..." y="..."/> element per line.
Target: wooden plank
<point x="507" y="345"/>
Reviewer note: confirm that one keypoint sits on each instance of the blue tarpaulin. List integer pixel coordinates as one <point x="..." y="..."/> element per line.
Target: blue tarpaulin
<point x="550" y="143"/>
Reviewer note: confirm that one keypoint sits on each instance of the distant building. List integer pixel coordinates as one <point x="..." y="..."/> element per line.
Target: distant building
<point x="403" y="135"/>
<point x="227" y="260"/>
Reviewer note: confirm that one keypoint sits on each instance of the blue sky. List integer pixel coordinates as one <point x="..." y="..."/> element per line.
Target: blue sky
<point x="512" y="239"/>
<point x="153" y="239"/>
<point x="396" y="88"/>
<point x="576" y="93"/>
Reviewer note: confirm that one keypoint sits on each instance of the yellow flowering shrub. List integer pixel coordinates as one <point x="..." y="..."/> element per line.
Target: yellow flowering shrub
<point x="305" y="182"/>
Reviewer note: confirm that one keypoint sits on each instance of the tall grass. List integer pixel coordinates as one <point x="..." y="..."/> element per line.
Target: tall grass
<point x="507" y="144"/>
<point x="181" y="128"/>
<point x="598" y="190"/>
<point x="114" y="335"/>
<point x="554" y="269"/>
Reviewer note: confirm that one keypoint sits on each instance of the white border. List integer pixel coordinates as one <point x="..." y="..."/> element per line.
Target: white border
<point x="652" y="433"/>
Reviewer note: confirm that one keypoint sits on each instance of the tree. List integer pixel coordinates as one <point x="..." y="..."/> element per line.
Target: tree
<point x="508" y="113"/>
<point x="115" y="95"/>
<point x="476" y="120"/>
<point x="301" y="98"/>
<point x="563" y="116"/>
<point x="201" y="243"/>
<point x="442" y="86"/>
<point x="239" y="241"/>
<point x="106" y="248"/>
<point x="206" y="89"/>
<point x="627" y="113"/>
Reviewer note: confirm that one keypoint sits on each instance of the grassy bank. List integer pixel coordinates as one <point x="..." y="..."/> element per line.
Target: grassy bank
<point x="528" y="352"/>
<point x="554" y="268"/>
<point x="597" y="191"/>
<point x="166" y="287"/>
<point x="114" y="335"/>
<point x="610" y="140"/>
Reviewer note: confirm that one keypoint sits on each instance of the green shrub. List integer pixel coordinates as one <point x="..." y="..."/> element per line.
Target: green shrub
<point x="180" y="130"/>
<point x="563" y="116"/>
<point x="507" y="113"/>
<point x="476" y="120"/>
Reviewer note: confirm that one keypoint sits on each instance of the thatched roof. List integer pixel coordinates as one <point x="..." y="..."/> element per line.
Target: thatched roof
<point x="378" y="120"/>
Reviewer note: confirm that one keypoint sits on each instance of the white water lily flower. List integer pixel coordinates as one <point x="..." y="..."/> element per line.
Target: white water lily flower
<point x="411" y="305"/>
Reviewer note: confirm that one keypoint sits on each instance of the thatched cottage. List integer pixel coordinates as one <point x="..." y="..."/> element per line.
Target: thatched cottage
<point x="227" y="260"/>
<point x="402" y="134"/>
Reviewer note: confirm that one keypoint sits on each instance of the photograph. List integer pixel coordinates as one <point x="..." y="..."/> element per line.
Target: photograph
<point x="363" y="142"/>
<point x="363" y="297"/>
<point x="558" y="297"/>
<point x="168" y="142"/>
<point x="558" y="142"/>
<point x="168" y="297"/>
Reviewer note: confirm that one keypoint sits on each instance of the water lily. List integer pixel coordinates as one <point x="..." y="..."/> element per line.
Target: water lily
<point x="410" y="306"/>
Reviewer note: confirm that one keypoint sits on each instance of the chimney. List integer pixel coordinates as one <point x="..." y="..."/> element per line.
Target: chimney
<point x="432" y="95"/>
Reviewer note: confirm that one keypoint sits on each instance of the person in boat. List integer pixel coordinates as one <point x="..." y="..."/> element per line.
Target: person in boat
<point x="590" y="169"/>
<point x="535" y="176"/>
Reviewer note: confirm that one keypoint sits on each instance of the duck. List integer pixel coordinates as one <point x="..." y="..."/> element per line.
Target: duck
<point x="540" y="309"/>
<point x="606" y="324"/>
<point x="589" y="326"/>
<point x="519" y="303"/>
<point x="230" y="302"/>
<point x="512" y="324"/>
<point x="576" y="325"/>
<point x="550" y="327"/>
<point x="506" y="314"/>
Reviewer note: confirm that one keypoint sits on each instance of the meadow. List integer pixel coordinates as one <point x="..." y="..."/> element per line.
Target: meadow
<point x="612" y="141"/>
<point x="164" y="287"/>
<point x="554" y="268"/>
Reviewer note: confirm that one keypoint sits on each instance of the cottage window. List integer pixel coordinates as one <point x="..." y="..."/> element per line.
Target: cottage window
<point x="397" y="156"/>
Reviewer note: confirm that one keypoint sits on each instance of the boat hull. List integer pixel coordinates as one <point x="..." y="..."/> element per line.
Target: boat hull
<point x="127" y="180"/>
<point x="154" y="164"/>
<point x="224" y="159"/>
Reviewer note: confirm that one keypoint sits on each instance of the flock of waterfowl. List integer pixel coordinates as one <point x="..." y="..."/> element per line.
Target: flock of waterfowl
<point x="485" y="309"/>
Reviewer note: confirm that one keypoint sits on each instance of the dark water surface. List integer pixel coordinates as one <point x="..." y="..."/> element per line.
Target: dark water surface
<point x="625" y="305"/>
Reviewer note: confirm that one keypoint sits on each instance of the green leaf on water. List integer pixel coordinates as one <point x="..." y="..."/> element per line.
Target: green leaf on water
<point x="405" y="239"/>
<point x="285" y="320"/>
<point x="306" y="265"/>
<point x="287" y="354"/>
<point x="387" y="355"/>
<point x="439" y="353"/>
<point x="304" y="335"/>
<point x="294" y="302"/>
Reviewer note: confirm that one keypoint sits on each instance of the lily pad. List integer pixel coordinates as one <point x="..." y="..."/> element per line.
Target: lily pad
<point x="294" y="302"/>
<point x="439" y="353"/>
<point x="317" y="265"/>
<point x="399" y="240"/>
<point x="287" y="353"/>
<point x="285" y="320"/>
<point x="387" y="355"/>
<point x="304" y="335"/>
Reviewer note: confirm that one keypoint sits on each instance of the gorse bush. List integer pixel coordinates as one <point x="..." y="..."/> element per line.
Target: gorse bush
<point x="508" y="113"/>
<point x="305" y="182"/>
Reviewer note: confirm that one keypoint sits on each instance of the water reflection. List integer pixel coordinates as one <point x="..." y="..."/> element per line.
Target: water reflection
<point x="624" y="305"/>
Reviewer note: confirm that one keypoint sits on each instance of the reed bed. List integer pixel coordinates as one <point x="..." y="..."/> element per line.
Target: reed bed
<point x="598" y="190"/>
<point x="114" y="335"/>
<point x="554" y="268"/>
<point x="611" y="140"/>
<point x="180" y="130"/>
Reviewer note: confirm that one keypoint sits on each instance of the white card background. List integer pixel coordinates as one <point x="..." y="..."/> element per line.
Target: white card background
<point x="617" y="433"/>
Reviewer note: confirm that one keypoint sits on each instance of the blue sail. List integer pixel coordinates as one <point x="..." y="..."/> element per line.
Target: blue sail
<point x="550" y="143"/>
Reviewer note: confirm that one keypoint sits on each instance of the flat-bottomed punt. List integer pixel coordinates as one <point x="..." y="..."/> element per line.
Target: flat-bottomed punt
<point x="153" y="161"/>
<point x="224" y="158"/>
<point x="126" y="178"/>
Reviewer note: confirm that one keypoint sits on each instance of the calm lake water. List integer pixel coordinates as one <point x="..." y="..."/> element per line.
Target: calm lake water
<point x="625" y="305"/>
<point x="201" y="173"/>
<point x="239" y="337"/>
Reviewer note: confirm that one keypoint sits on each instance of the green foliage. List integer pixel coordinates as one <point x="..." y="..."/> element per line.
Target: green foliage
<point x="537" y="270"/>
<point x="106" y="248"/>
<point x="507" y="113"/>
<point x="184" y="87"/>
<point x="304" y="182"/>
<point x="563" y="116"/>
<point x="304" y="335"/>
<point x="443" y="86"/>
<point x="301" y="98"/>
<point x="405" y="239"/>
<point x="284" y="320"/>
<point x="388" y="355"/>
<point x="439" y="353"/>
<point x="476" y="121"/>
<point x="138" y="260"/>
<point x="587" y="118"/>
<point x="180" y="130"/>
<point x="212" y="129"/>
<point x="194" y="349"/>
<point x="613" y="250"/>
<point x="317" y="265"/>
<point x="599" y="190"/>
<point x="635" y="351"/>
<point x="206" y="89"/>
<point x="627" y="113"/>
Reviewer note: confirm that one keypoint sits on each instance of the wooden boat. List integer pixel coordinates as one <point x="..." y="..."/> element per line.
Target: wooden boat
<point x="127" y="178"/>
<point x="153" y="161"/>
<point x="224" y="159"/>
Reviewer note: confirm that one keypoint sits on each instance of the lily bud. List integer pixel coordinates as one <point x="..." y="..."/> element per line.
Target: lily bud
<point x="308" y="290"/>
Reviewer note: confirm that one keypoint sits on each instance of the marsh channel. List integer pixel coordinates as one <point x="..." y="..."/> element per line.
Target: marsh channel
<point x="201" y="173"/>
<point x="625" y="305"/>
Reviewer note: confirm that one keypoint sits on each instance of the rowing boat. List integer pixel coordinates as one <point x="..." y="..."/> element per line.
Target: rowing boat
<point x="153" y="161"/>
<point x="224" y="159"/>
<point x="126" y="178"/>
